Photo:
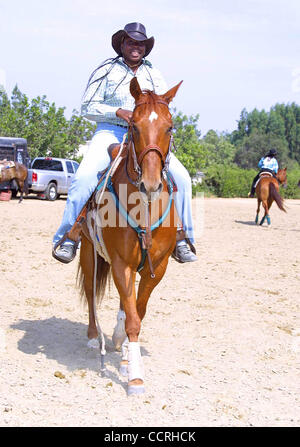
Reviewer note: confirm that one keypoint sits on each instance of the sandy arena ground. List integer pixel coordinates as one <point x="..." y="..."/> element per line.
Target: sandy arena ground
<point x="220" y="341"/>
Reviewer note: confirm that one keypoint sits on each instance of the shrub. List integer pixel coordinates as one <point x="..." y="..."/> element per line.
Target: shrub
<point x="227" y="181"/>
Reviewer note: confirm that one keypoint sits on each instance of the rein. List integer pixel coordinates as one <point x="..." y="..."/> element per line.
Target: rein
<point x="144" y="234"/>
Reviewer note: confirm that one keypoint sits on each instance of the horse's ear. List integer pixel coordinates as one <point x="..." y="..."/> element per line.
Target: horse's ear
<point x="171" y="93"/>
<point x="135" y="88"/>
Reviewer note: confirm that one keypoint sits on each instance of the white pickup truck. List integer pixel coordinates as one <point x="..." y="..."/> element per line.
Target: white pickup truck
<point x="50" y="177"/>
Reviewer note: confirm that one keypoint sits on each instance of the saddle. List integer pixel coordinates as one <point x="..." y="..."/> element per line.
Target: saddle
<point x="263" y="174"/>
<point x="6" y="164"/>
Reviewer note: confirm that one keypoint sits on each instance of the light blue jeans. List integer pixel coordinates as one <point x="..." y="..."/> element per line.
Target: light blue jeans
<point x="97" y="159"/>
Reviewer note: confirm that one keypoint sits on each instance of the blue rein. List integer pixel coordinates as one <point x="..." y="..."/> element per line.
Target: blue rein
<point x="130" y="221"/>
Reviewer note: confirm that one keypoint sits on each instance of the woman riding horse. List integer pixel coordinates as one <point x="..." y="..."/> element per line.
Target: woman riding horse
<point x="267" y="191"/>
<point x="268" y="163"/>
<point x="107" y="100"/>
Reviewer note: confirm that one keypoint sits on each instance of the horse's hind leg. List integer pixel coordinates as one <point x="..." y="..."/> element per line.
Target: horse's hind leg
<point x="21" y="189"/>
<point x="20" y="184"/>
<point x="266" y="215"/>
<point x="119" y="333"/>
<point x="87" y="271"/>
<point x="257" y="211"/>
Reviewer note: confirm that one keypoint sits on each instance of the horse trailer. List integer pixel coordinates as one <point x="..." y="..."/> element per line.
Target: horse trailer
<point x="13" y="149"/>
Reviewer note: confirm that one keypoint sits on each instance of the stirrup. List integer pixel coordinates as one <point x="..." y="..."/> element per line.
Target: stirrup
<point x="59" y="244"/>
<point x="180" y="236"/>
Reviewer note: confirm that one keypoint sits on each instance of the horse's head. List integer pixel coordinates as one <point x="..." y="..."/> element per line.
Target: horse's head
<point x="281" y="176"/>
<point x="151" y="132"/>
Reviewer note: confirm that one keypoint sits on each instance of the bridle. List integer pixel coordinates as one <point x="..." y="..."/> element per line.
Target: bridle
<point x="137" y="160"/>
<point x="282" y="182"/>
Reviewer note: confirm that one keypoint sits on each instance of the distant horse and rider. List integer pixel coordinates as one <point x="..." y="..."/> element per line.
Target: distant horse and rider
<point x="266" y="185"/>
<point x="267" y="191"/>
<point x="11" y="171"/>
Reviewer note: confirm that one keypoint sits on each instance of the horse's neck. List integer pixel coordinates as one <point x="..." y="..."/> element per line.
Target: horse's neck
<point x="131" y="198"/>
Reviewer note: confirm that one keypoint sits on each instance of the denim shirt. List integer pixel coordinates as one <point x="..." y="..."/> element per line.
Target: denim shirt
<point x="103" y="98"/>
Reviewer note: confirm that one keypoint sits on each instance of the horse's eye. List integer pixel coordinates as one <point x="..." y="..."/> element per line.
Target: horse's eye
<point x="135" y="129"/>
<point x="170" y="129"/>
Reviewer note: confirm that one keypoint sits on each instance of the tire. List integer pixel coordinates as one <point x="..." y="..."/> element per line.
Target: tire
<point x="51" y="192"/>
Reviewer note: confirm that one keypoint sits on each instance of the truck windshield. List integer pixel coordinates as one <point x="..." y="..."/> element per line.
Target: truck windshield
<point x="51" y="165"/>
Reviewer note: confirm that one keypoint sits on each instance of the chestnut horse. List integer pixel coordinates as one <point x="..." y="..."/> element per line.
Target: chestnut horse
<point x="140" y="177"/>
<point x="14" y="171"/>
<point x="267" y="190"/>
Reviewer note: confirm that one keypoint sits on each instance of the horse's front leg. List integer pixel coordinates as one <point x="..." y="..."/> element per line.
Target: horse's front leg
<point x="124" y="278"/>
<point x="147" y="284"/>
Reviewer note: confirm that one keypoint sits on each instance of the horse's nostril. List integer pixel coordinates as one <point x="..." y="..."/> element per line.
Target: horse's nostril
<point x="142" y="188"/>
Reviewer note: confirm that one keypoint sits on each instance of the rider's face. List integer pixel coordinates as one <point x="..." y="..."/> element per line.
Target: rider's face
<point x="132" y="50"/>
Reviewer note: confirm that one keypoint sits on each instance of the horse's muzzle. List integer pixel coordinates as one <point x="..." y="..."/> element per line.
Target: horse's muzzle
<point x="150" y="194"/>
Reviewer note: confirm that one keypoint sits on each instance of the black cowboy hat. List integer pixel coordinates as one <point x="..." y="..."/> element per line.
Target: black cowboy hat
<point x="136" y="31"/>
<point x="271" y="153"/>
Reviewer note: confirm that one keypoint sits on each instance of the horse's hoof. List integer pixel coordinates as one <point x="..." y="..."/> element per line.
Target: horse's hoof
<point x="135" y="386"/>
<point x="135" y="389"/>
<point x="93" y="343"/>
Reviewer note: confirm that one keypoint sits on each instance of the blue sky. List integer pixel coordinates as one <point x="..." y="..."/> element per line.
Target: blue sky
<point x="230" y="54"/>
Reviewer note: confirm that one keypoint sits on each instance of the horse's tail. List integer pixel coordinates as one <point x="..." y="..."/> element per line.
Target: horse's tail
<point x="102" y="277"/>
<point x="274" y="194"/>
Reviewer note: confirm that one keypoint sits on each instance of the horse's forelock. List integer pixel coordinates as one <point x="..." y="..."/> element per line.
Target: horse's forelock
<point x="151" y="97"/>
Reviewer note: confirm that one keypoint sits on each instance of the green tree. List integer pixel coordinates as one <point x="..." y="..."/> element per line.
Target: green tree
<point x="256" y="145"/>
<point x="189" y="149"/>
<point x="219" y="149"/>
<point x="43" y="125"/>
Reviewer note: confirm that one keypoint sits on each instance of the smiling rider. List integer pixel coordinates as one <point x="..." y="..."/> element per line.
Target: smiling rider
<point x="108" y="102"/>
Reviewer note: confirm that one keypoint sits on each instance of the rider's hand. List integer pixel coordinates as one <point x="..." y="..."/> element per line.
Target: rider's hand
<point x="125" y="115"/>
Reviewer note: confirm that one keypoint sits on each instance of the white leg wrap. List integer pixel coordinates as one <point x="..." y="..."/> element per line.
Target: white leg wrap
<point x="124" y="349"/>
<point x="119" y="331"/>
<point x="135" y="364"/>
<point x="121" y="315"/>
